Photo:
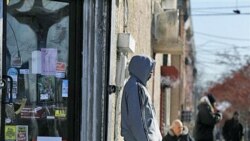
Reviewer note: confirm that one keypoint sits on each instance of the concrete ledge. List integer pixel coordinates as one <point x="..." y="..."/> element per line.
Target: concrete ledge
<point x="176" y="48"/>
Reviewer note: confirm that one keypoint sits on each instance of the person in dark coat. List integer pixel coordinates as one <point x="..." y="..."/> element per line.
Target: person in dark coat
<point x="206" y="119"/>
<point x="233" y="129"/>
<point x="138" y="118"/>
<point x="177" y="132"/>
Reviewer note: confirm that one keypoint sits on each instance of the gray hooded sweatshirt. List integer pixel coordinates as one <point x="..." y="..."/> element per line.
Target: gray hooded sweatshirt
<point x="138" y="120"/>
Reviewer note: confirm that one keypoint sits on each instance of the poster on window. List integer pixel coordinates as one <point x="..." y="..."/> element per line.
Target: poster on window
<point x="46" y="88"/>
<point x="65" y="86"/>
<point x="49" y="61"/>
<point x="21" y="133"/>
<point x="13" y="73"/>
<point x="10" y="133"/>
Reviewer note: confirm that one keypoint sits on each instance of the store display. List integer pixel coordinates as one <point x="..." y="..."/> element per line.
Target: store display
<point x="36" y="94"/>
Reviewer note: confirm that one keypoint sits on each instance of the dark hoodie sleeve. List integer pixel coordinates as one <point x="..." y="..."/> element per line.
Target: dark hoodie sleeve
<point x="207" y="117"/>
<point x="135" y="115"/>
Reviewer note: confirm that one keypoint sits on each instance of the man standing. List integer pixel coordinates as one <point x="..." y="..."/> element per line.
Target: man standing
<point x="206" y="119"/>
<point x="138" y="119"/>
<point x="233" y="129"/>
<point x="177" y="132"/>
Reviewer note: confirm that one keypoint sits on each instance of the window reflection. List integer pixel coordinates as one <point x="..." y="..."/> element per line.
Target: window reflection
<point x="37" y="60"/>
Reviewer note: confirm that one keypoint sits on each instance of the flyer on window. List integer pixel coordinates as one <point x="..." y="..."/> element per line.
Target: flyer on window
<point x="10" y="132"/>
<point x="46" y="88"/>
<point x="22" y="133"/>
<point x="65" y="86"/>
<point x="49" y="61"/>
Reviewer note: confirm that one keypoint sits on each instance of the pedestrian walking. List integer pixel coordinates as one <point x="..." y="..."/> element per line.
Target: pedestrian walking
<point x="138" y="119"/>
<point x="177" y="132"/>
<point x="206" y="118"/>
<point x="233" y="129"/>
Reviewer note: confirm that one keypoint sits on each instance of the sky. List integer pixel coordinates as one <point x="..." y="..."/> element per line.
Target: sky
<point x="222" y="37"/>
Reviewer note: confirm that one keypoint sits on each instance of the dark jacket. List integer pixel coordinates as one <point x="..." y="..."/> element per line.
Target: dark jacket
<point x="205" y="122"/>
<point x="232" y="130"/>
<point x="183" y="137"/>
<point x="138" y="119"/>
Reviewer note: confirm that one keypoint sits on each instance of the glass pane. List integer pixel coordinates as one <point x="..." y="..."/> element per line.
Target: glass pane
<point x="36" y="61"/>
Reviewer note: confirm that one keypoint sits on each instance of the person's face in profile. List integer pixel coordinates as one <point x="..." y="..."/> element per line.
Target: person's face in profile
<point x="150" y="75"/>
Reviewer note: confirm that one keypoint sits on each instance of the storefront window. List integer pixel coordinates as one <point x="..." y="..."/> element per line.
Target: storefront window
<point x="36" y="60"/>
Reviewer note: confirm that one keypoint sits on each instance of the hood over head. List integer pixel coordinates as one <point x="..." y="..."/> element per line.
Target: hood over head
<point x="140" y="67"/>
<point x="211" y="99"/>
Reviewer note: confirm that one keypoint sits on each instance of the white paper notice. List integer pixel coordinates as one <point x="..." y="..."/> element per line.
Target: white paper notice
<point x="36" y="62"/>
<point x="49" y="138"/>
<point x="49" y="61"/>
